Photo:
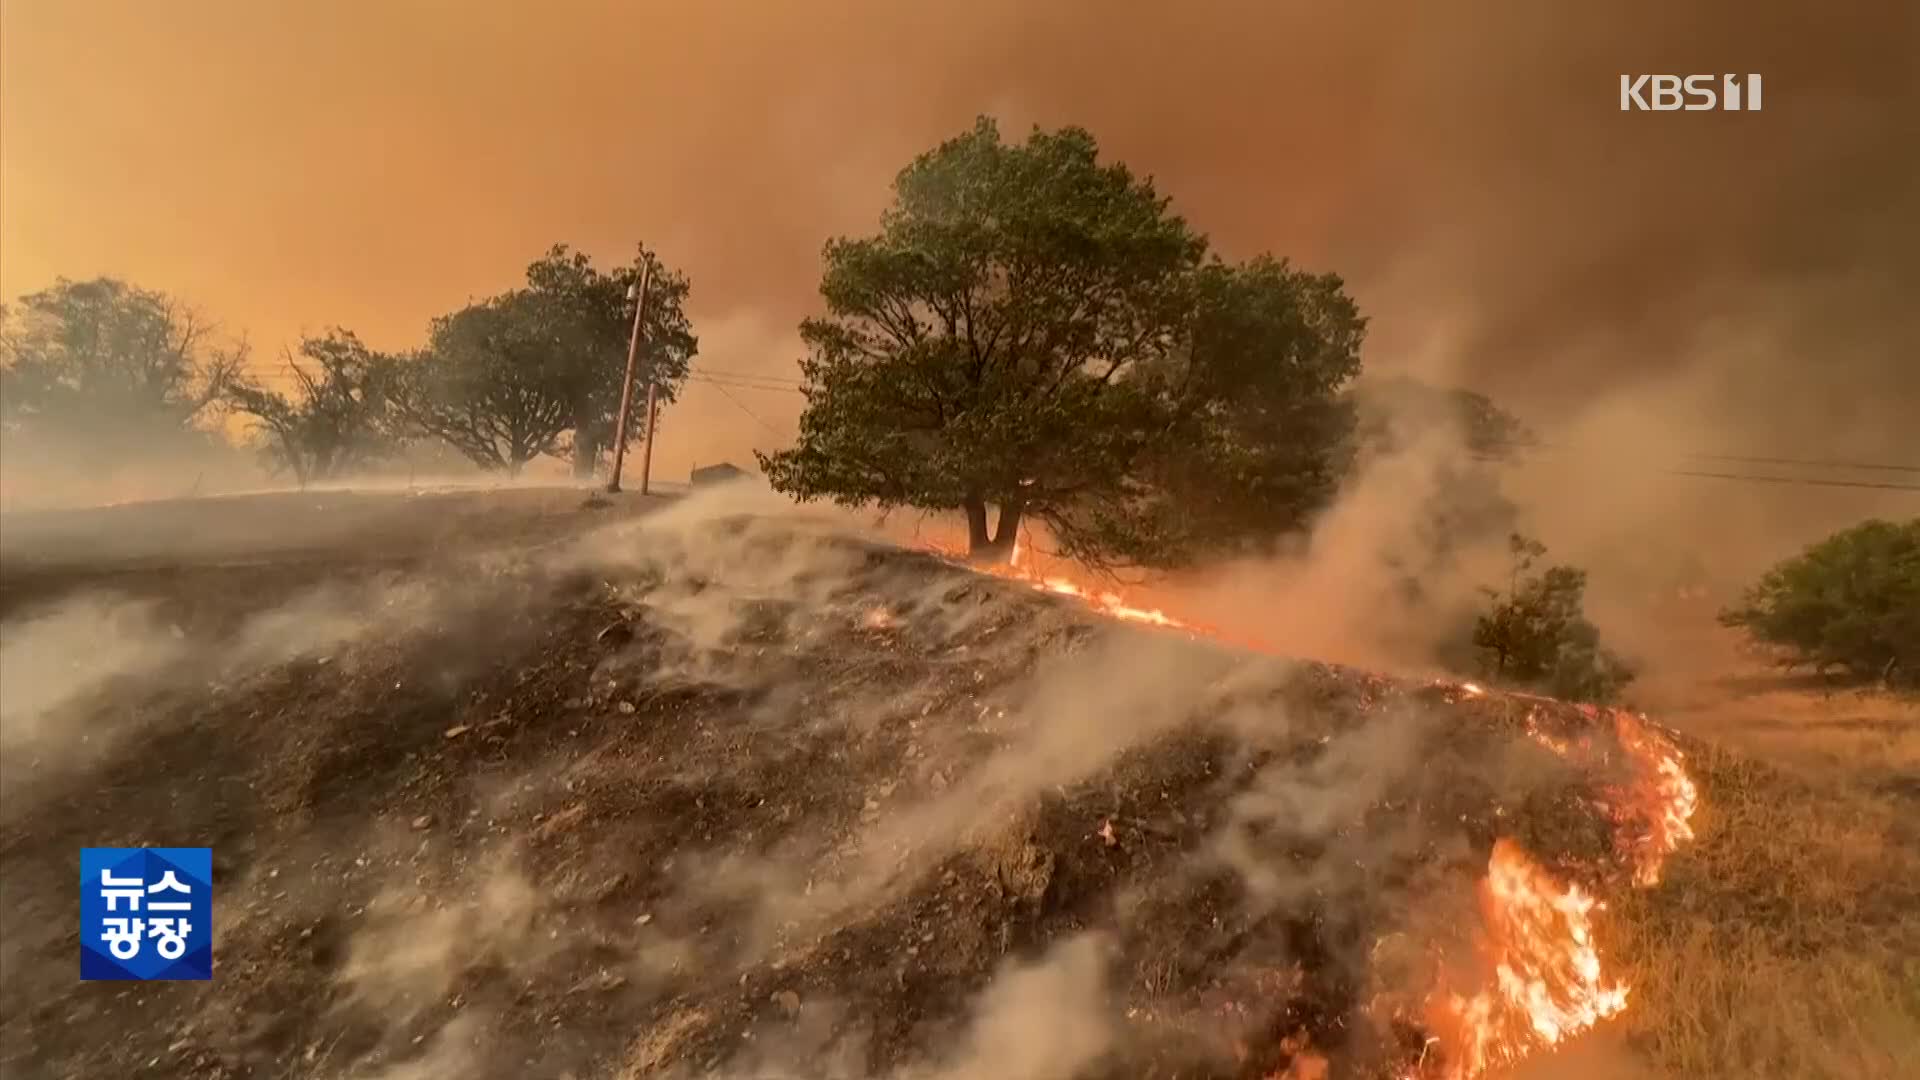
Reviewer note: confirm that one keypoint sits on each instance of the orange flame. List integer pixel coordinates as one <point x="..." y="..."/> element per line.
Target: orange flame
<point x="1019" y="567"/>
<point x="1668" y="798"/>
<point x="1547" y="982"/>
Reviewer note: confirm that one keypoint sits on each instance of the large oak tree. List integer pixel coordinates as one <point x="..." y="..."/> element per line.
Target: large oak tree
<point x="1035" y="331"/>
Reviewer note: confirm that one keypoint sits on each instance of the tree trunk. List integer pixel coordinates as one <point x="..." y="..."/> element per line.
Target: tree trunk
<point x="586" y="453"/>
<point x="977" y="540"/>
<point x="1006" y="532"/>
<point x="296" y="461"/>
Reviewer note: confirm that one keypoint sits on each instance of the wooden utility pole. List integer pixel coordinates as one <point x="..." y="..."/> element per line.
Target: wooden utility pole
<point x="638" y="294"/>
<point x="646" y="454"/>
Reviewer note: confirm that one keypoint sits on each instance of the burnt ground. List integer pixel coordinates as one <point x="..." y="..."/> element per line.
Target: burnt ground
<point x="507" y="785"/>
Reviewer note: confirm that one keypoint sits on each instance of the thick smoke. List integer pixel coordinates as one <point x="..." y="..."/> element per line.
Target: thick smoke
<point x="1739" y="280"/>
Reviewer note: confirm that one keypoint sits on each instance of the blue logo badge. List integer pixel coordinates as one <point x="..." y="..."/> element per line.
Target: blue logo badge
<point x="146" y="913"/>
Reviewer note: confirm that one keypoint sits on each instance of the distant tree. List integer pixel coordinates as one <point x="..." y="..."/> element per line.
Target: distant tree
<point x="1399" y="413"/>
<point x="1851" y="601"/>
<point x="486" y="385"/>
<point x="1035" y="332"/>
<point x="538" y="370"/>
<point x="1535" y="635"/>
<point x="338" y="418"/>
<point x="590" y="319"/>
<point x="1455" y="446"/>
<point x="103" y="364"/>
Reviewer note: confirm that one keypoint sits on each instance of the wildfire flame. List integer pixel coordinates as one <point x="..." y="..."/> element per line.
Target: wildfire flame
<point x="1541" y="977"/>
<point x="1547" y="979"/>
<point x="1020" y="567"/>
<point x="1669" y="795"/>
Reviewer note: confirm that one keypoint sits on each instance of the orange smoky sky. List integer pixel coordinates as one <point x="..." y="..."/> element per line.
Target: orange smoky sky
<point x="1748" y="278"/>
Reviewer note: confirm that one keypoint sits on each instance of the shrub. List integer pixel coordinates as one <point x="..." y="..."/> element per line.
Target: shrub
<point x="1536" y="634"/>
<point x="1851" y="601"/>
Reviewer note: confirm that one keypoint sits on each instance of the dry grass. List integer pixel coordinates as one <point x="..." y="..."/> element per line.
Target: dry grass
<point x="1786" y="940"/>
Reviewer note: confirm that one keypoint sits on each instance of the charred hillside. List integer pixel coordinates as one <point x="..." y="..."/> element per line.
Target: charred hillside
<point x="705" y="793"/>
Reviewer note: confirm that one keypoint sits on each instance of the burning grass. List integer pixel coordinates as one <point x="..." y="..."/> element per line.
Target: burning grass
<point x="1538" y="978"/>
<point x="1789" y="946"/>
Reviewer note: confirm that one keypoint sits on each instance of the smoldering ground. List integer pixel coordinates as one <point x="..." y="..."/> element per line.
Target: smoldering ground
<point x="715" y="789"/>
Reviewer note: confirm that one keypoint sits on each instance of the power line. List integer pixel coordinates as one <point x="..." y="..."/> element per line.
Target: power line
<point x="750" y="413"/>
<point x="756" y="376"/>
<point x="757" y="381"/>
<point x="723" y="380"/>
<point x="743" y="384"/>
<point x="1742" y="459"/>
<point x="741" y="380"/>
<point x="1808" y="480"/>
<point x="1756" y="478"/>
<point x="1872" y="466"/>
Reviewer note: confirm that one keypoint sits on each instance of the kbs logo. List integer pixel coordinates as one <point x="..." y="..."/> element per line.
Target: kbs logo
<point x="1694" y="93"/>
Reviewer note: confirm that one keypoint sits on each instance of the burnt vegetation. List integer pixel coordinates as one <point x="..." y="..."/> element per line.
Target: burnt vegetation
<point x="634" y="815"/>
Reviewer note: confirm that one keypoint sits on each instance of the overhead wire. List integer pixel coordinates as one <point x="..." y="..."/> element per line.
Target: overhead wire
<point x="1534" y="446"/>
<point x="738" y="404"/>
<point x="1520" y="451"/>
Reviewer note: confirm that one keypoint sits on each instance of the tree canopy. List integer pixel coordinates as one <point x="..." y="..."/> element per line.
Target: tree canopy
<point x="104" y="361"/>
<point x="1034" y="330"/>
<point x="1851" y="601"/>
<point x="537" y="370"/>
<point x="338" y="418"/>
<point x="590" y="318"/>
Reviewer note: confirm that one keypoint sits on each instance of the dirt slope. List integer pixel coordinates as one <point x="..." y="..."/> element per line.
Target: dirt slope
<point x="697" y="793"/>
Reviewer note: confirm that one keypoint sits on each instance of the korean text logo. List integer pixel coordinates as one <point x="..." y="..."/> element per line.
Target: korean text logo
<point x="1692" y="93"/>
<point x="146" y="913"/>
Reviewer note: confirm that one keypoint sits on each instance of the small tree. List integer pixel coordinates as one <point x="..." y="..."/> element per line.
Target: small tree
<point x="1034" y="331"/>
<point x="338" y="419"/>
<point x="1536" y="635"/>
<point x="1851" y="601"/>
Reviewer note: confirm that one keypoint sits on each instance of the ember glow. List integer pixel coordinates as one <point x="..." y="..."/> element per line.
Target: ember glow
<point x="1110" y="604"/>
<point x="1022" y="567"/>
